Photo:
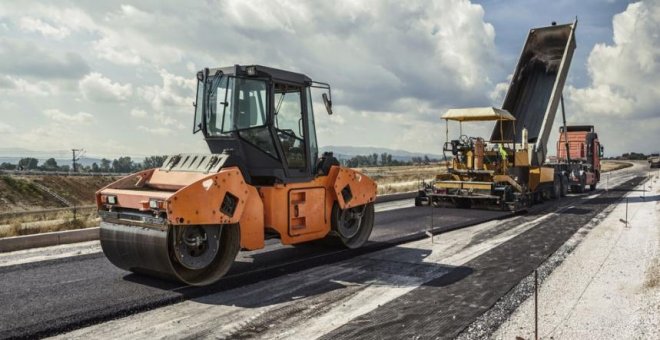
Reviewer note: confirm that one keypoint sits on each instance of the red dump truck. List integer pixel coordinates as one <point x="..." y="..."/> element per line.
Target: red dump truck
<point x="578" y="157"/>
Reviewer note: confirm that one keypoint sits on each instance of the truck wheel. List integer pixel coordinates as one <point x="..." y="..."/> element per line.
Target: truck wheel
<point x="564" y="186"/>
<point x="463" y="203"/>
<point x="592" y="187"/>
<point x="353" y="225"/>
<point x="555" y="192"/>
<point x="418" y="202"/>
<point x="583" y="183"/>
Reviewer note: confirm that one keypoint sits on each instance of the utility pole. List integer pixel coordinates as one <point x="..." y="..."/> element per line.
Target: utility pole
<point x="75" y="158"/>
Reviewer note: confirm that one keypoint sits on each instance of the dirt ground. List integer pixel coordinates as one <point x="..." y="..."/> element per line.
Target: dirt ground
<point x="607" y="166"/>
<point x="607" y="288"/>
<point x="18" y="193"/>
<point x="395" y="179"/>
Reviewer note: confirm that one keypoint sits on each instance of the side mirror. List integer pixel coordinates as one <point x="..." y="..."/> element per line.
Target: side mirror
<point x="601" y="152"/>
<point x="328" y="103"/>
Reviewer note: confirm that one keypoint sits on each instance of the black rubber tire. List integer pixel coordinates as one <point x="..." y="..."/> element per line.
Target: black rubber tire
<point x="555" y="191"/>
<point x="592" y="187"/>
<point x="230" y="244"/>
<point x="463" y="203"/>
<point x="418" y="202"/>
<point x="538" y="197"/>
<point x="366" y="226"/>
<point x="583" y="183"/>
<point x="564" y="186"/>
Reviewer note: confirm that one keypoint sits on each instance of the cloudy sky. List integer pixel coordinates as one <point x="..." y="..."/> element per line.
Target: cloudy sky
<point x="117" y="78"/>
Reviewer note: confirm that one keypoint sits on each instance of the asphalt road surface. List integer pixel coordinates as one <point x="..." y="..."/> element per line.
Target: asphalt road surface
<point x="48" y="297"/>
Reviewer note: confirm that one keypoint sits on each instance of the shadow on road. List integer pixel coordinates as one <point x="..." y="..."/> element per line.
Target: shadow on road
<point x="396" y="267"/>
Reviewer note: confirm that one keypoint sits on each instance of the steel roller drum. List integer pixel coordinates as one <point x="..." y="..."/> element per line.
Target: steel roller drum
<point x="152" y="251"/>
<point x="137" y="249"/>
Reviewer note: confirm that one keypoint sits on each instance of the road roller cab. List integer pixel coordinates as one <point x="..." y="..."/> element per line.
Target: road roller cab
<point x="263" y="178"/>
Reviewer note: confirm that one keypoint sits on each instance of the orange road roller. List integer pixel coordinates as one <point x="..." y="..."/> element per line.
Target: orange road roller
<point x="263" y="178"/>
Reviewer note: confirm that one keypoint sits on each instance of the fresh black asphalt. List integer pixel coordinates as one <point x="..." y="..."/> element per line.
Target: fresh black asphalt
<point x="443" y="307"/>
<point x="49" y="297"/>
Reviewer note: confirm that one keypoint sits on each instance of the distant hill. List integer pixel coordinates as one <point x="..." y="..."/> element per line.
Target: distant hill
<point x="63" y="157"/>
<point x="346" y="152"/>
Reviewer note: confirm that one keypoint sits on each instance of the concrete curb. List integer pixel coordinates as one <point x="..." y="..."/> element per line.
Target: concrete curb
<point x="48" y="239"/>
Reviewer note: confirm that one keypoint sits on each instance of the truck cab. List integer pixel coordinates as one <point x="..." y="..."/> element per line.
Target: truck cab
<point x="262" y="115"/>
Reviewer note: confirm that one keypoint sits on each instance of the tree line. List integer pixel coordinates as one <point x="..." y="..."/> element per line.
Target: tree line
<point x="118" y="165"/>
<point x="384" y="159"/>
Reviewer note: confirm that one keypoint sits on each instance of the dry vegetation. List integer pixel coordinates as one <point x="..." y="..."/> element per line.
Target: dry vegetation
<point x="614" y="165"/>
<point x="393" y="179"/>
<point x="21" y="194"/>
<point x="64" y="220"/>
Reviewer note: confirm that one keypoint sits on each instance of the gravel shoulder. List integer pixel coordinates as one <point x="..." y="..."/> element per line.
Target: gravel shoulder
<point x="608" y="287"/>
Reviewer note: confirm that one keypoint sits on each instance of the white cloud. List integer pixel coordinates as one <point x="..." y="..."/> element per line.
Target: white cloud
<point x="96" y="87"/>
<point x="6" y="128"/>
<point x="175" y="91"/>
<point x="138" y="113"/>
<point x="29" y="24"/>
<point x="21" y="87"/>
<point x="499" y="92"/>
<point x="25" y="58"/>
<point x="160" y="131"/>
<point x="394" y="66"/>
<point x="625" y="86"/>
<point x="61" y="117"/>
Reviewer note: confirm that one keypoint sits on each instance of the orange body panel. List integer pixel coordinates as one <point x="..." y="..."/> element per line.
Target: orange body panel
<point x="576" y="145"/>
<point x="277" y="209"/>
<point x="307" y="211"/>
<point x="199" y="202"/>
<point x="136" y="199"/>
<point x="298" y="212"/>
<point x="252" y="221"/>
<point x="363" y="189"/>
<point x="173" y="180"/>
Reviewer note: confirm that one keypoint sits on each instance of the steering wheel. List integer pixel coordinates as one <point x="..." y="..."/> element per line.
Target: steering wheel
<point x="287" y="137"/>
<point x="465" y="140"/>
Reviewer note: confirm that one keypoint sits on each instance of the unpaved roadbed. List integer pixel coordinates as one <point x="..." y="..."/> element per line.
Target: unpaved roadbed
<point x="417" y="289"/>
<point x="608" y="287"/>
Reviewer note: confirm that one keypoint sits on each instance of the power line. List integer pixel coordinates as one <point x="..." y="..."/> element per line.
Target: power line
<point x="75" y="158"/>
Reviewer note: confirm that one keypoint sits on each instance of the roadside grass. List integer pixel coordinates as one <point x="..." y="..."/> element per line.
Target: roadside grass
<point x="607" y="166"/>
<point x="20" y="226"/>
<point x="653" y="274"/>
<point x="393" y="189"/>
<point x="396" y="179"/>
<point x="44" y="215"/>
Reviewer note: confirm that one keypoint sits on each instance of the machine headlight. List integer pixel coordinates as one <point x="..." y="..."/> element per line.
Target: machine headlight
<point x="251" y="70"/>
<point x="154" y="204"/>
<point x="111" y="199"/>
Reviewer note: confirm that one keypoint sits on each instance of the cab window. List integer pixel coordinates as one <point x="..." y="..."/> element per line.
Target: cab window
<point x="289" y="125"/>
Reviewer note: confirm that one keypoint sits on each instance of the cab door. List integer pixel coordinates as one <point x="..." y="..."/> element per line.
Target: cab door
<point x="290" y="128"/>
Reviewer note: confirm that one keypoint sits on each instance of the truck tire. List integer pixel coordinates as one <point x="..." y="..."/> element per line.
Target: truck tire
<point x="583" y="184"/>
<point x="564" y="185"/>
<point x="592" y="187"/>
<point x="555" y="191"/>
